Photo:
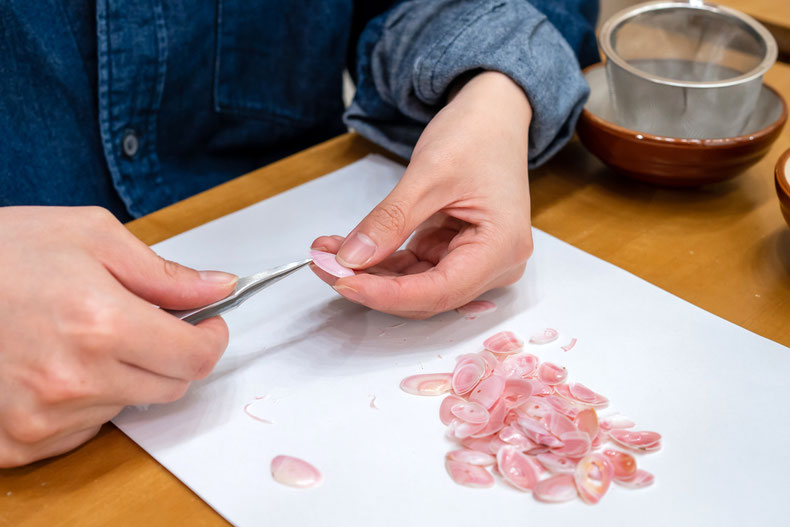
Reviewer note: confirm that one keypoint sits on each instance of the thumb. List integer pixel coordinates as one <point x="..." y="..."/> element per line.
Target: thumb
<point x="387" y="226"/>
<point x="163" y="282"/>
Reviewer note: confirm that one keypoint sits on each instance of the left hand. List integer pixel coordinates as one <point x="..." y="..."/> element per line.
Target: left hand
<point x="464" y="195"/>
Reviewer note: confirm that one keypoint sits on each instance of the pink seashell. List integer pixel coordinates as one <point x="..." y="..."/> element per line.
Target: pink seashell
<point x="593" y="476"/>
<point x="585" y="395"/>
<point x="569" y="346"/>
<point x="519" y="366"/>
<point x="445" y="413"/>
<point x="472" y="413"/>
<point x="536" y="407"/>
<point x="563" y="406"/>
<point x="490" y="359"/>
<point x="488" y="391"/>
<point x="295" y="472"/>
<point x="514" y="436"/>
<point x="544" y="337"/>
<point x="555" y="489"/>
<point x="624" y="465"/>
<point x="476" y="308"/>
<point x="551" y="374"/>
<point x="503" y="343"/>
<point x="469" y="475"/>
<point x="587" y="421"/>
<point x="557" y="464"/>
<point x="496" y="421"/>
<point x="516" y="468"/>
<point x="328" y="262"/>
<point x="476" y="443"/>
<point x="558" y="424"/>
<point x="540" y="388"/>
<point x="458" y="429"/>
<point x="427" y="384"/>
<point x="540" y="449"/>
<point x="652" y="448"/>
<point x="466" y="376"/>
<point x="517" y="392"/>
<point x="472" y="457"/>
<point x="576" y="444"/>
<point x="538" y="433"/>
<point x="494" y="444"/>
<point x="640" y="479"/>
<point x="616" y="421"/>
<point x="635" y="440"/>
<point x="600" y="439"/>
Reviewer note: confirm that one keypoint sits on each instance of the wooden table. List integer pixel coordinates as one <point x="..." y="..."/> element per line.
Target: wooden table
<point x="774" y="14"/>
<point x="724" y="248"/>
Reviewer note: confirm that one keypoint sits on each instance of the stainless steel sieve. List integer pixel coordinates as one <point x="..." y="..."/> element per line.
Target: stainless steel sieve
<point x="690" y="70"/>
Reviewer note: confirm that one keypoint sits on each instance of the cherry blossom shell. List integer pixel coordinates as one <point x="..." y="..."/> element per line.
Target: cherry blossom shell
<point x="295" y="472"/>
<point x="551" y="374"/>
<point x="624" y="464"/>
<point x="555" y="489"/>
<point x="640" y="479"/>
<point x="427" y="384"/>
<point x="635" y="440"/>
<point x="503" y="343"/>
<point x="593" y="476"/>
<point x="546" y="336"/>
<point x="516" y="468"/>
<point x="472" y="457"/>
<point x="328" y="262"/>
<point x="476" y="308"/>
<point x="469" y="475"/>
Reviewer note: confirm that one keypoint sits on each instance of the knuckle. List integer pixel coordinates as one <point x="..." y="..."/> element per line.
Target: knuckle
<point x="28" y="427"/>
<point x="391" y="216"/>
<point x="170" y="268"/>
<point x="202" y="363"/>
<point x="175" y="392"/>
<point x="92" y="322"/>
<point x="99" y="216"/>
<point x="13" y="456"/>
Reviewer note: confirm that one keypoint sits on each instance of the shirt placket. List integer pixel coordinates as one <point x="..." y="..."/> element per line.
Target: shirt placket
<point x="132" y="60"/>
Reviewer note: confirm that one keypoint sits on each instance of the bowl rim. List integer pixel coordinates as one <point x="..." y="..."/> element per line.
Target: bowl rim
<point x="781" y="170"/>
<point x="713" y="142"/>
<point x="605" y="42"/>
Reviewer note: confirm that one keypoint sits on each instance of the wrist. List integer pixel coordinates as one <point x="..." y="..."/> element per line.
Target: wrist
<point x="493" y="90"/>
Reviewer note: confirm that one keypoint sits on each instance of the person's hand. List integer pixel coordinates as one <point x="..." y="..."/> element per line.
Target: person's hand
<point x="465" y="195"/>
<point x="81" y="337"/>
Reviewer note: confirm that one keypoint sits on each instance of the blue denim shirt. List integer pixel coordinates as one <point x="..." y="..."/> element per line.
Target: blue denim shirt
<point x="135" y="105"/>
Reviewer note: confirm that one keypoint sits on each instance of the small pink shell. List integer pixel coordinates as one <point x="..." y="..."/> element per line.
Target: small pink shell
<point x="558" y="424"/>
<point x="445" y="414"/>
<point x="468" y="371"/>
<point x="624" y="465"/>
<point x="427" y="384"/>
<point x="575" y="445"/>
<point x="538" y="433"/>
<point x="496" y="421"/>
<point x="458" y="429"/>
<point x="635" y="440"/>
<point x="640" y="479"/>
<point x="557" y="464"/>
<point x="503" y="343"/>
<point x="490" y="359"/>
<point x="513" y="435"/>
<point x="555" y="489"/>
<point x="582" y="393"/>
<point x="517" y="392"/>
<point x="479" y="444"/>
<point x="593" y="476"/>
<point x="472" y="457"/>
<point x="328" y="262"/>
<point x="569" y="346"/>
<point x="552" y="374"/>
<point x="488" y="391"/>
<point x="616" y="421"/>
<point x="472" y="413"/>
<point x="587" y="421"/>
<point x="519" y="366"/>
<point x="476" y="308"/>
<point x="540" y="388"/>
<point x="544" y="337"/>
<point x="563" y="406"/>
<point x="295" y="472"/>
<point x="516" y="468"/>
<point x="469" y="475"/>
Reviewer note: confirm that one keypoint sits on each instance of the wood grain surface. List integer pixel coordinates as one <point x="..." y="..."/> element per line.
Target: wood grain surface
<point x="725" y="248"/>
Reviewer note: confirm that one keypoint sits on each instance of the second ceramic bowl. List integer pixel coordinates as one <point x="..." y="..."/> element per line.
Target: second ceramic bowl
<point x="675" y="161"/>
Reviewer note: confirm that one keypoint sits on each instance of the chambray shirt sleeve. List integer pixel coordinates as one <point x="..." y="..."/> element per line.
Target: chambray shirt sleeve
<point x="408" y="57"/>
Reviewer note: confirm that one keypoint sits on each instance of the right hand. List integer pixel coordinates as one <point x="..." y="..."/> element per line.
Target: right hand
<point x="81" y="335"/>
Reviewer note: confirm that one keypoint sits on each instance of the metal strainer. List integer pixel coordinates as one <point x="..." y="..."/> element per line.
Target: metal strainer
<point x="690" y="70"/>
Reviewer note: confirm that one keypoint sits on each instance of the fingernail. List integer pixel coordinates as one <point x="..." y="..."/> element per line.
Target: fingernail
<point x="218" y="277"/>
<point x="356" y="251"/>
<point x="349" y="293"/>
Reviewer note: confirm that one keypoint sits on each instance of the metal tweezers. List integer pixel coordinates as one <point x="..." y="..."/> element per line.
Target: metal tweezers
<point x="245" y="288"/>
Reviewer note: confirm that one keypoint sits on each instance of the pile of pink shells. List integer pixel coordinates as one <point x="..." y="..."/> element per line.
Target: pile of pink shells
<point x="508" y="411"/>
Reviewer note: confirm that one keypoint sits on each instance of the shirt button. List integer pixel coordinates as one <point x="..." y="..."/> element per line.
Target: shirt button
<point x="130" y="143"/>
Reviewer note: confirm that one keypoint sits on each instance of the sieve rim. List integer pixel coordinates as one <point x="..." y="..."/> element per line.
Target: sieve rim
<point x="605" y="42"/>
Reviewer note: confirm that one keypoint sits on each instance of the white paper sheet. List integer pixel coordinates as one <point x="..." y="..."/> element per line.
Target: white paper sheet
<point x="716" y="392"/>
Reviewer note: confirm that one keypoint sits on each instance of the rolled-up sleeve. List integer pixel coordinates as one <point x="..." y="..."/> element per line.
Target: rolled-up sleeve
<point x="408" y="58"/>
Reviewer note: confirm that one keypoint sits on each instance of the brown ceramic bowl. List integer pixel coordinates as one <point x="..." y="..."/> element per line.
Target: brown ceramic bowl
<point x="674" y="161"/>
<point x="782" y="180"/>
